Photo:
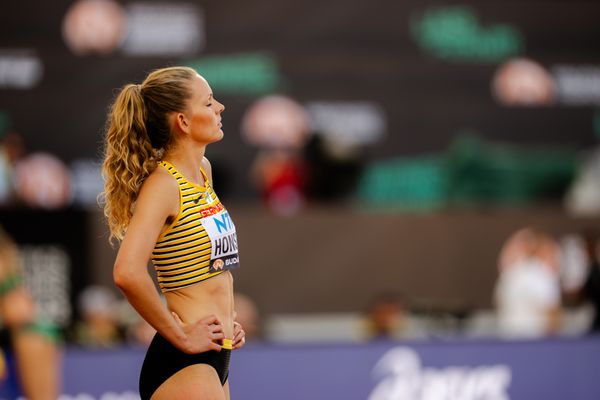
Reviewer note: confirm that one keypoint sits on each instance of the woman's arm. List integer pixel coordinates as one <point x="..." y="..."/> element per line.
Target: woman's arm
<point x="158" y="199"/>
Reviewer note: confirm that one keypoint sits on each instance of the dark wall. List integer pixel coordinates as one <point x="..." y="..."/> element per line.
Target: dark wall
<point x="338" y="260"/>
<point x="331" y="260"/>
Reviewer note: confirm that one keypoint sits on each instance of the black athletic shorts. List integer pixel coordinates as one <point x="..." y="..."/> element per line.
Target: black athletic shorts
<point x="163" y="360"/>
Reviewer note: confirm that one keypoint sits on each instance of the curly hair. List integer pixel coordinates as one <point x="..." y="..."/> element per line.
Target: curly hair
<point x="137" y="133"/>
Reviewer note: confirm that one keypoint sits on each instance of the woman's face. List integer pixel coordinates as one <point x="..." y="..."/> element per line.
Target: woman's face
<point x="203" y="113"/>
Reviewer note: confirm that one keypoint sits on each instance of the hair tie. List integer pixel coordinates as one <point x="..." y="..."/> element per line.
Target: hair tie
<point x="138" y="89"/>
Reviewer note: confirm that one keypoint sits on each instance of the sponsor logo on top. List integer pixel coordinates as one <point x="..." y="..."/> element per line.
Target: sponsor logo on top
<point x="211" y="210"/>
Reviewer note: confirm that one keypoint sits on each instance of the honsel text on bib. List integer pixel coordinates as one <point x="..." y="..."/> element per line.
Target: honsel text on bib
<point x="223" y="238"/>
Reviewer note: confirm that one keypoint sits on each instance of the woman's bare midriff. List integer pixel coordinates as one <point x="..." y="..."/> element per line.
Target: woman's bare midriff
<point x="212" y="296"/>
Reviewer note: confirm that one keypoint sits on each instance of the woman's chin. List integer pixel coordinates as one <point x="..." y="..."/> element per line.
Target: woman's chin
<point x="218" y="136"/>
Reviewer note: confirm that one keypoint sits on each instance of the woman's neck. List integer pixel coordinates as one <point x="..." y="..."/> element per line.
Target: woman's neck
<point x="187" y="159"/>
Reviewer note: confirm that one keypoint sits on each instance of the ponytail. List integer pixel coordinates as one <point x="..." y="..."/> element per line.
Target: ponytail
<point x="137" y="131"/>
<point x="128" y="160"/>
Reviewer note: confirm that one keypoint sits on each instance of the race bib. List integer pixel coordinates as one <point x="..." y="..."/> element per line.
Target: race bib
<point x="221" y="230"/>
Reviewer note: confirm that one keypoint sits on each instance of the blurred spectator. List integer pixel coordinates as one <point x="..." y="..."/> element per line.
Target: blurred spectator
<point x="584" y="195"/>
<point x="248" y="316"/>
<point x="574" y="267"/>
<point x="12" y="149"/>
<point x="34" y="342"/>
<point x="279" y="175"/>
<point x="43" y="181"/>
<point x="40" y="180"/>
<point x="98" y="326"/>
<point x="279" y="126"/>
<point x="523" y="82"/>
<point x="527" y="293"/>
<point x="385" y="317"/>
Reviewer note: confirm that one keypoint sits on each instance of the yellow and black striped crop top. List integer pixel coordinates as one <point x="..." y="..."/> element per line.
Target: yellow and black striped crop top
<point x="200" y="243"/>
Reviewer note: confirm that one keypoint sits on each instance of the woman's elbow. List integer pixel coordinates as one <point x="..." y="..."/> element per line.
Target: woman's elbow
<point x="121" y="276"/>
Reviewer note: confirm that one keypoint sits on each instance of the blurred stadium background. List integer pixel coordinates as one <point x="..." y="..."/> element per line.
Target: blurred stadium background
<point x="377" y="157"/>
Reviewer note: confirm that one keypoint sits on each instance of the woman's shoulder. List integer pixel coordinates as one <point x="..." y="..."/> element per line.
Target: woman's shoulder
<point x="159" y="193"/>
<point x="160" y="183"/>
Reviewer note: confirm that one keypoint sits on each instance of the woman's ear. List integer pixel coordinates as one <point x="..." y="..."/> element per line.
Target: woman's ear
<point x="182" y="123"/>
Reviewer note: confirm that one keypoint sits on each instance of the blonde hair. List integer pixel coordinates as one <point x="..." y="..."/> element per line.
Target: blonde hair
<point x="137" y="131"/>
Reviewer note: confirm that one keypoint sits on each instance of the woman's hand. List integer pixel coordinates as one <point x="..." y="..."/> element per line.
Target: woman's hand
<point x="201" y="336"/>
<point x="239" y="336"/>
